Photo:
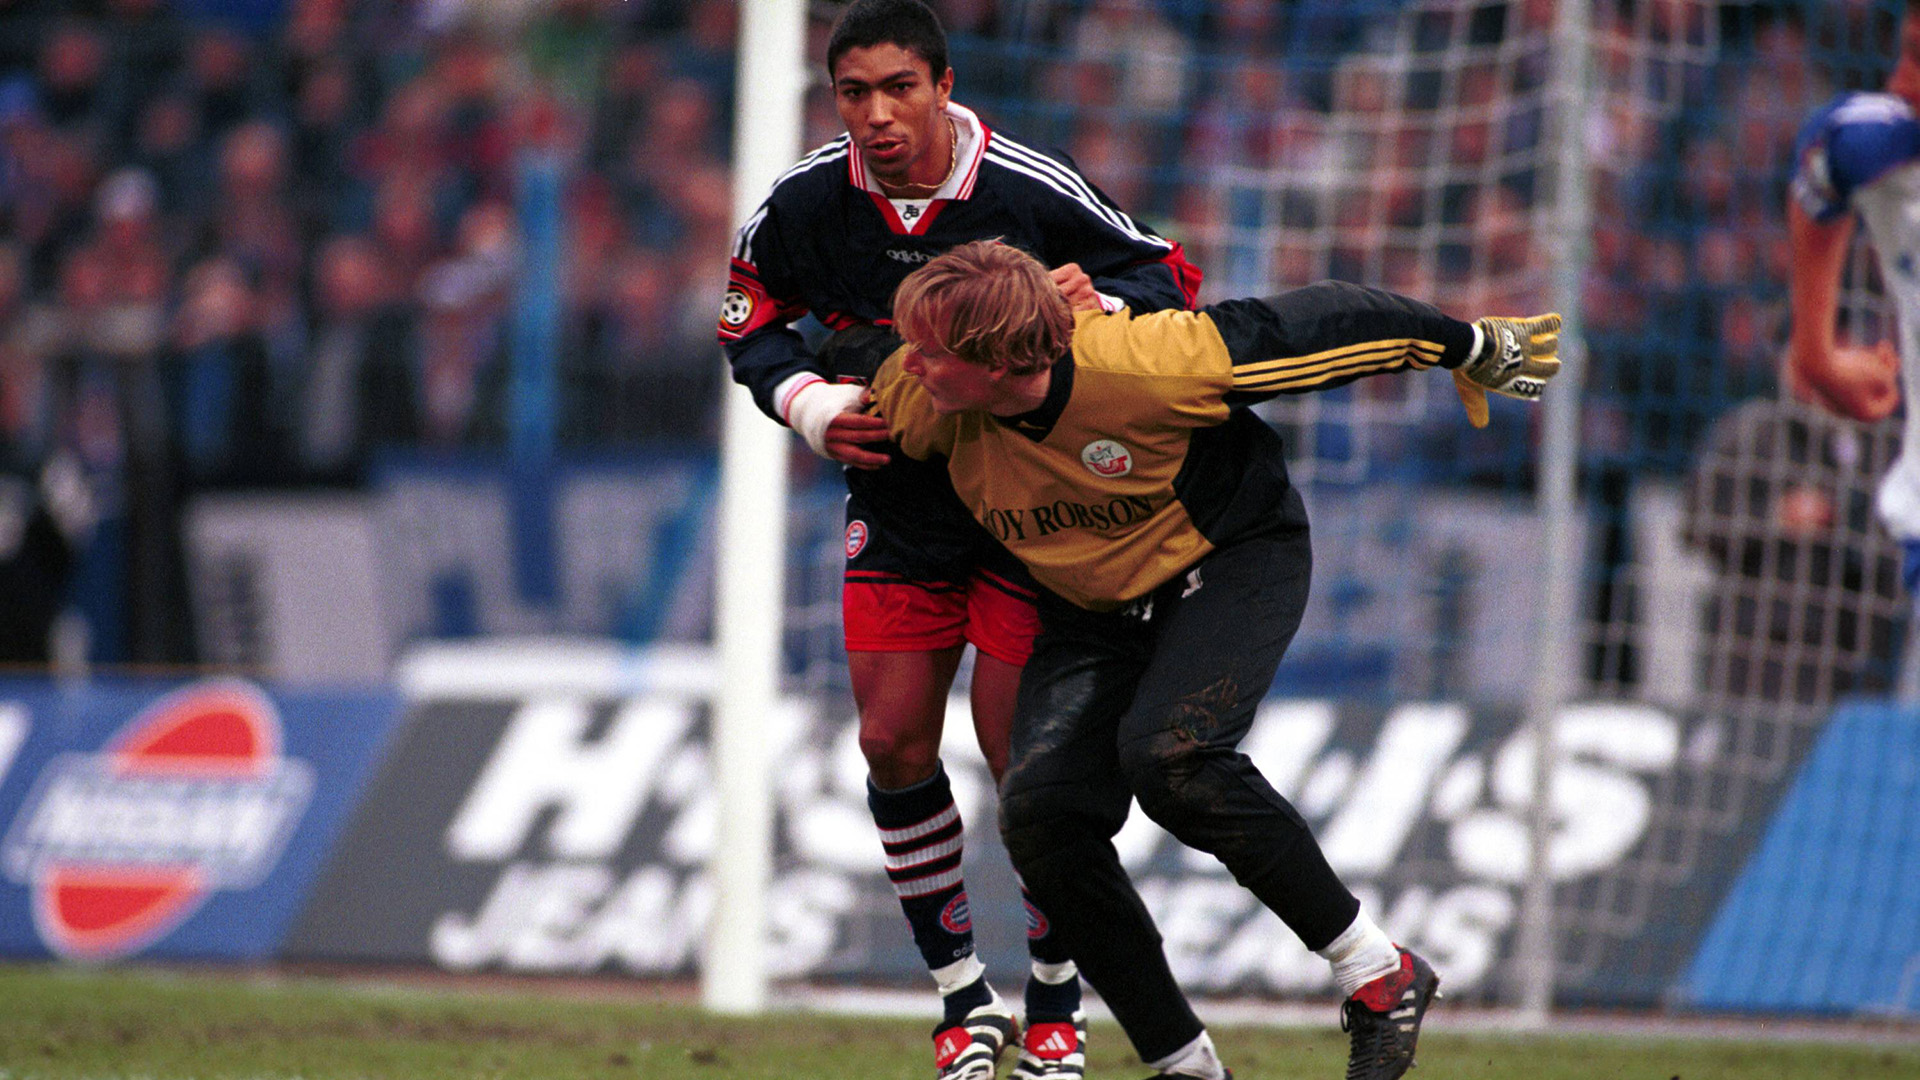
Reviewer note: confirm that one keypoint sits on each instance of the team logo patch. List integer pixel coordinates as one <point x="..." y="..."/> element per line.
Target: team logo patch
<point x="1037" y="924"/>
<point x="736" y="308"/>
<point x="1106" y="458"/>
<point x="190" y="797"/>
<point x="856" y="538"/>
<point x="957" y="917"/>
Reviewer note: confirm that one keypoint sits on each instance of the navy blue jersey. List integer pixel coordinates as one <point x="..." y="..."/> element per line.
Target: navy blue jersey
<point x="829" y="242"/>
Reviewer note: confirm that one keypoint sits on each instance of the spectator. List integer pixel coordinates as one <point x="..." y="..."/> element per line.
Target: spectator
<point x="45" y="518"/>
<point x="218" y="77"/>
<point x="463" y="338"/>
<point x="1806" y="604"/>
<point x="76" y="93"/>
<point x="641" y="372"/>
<point x="144" y="41"/>
<point x="357" y="393"/>
<point x="226" y="428"/>
<point x="168" y="145"/>
<point x="28" y="335"/>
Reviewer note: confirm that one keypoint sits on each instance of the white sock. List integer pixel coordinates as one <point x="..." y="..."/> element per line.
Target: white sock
<point x="959" y="974"/>
<point x="1195" y="1059"/>
<point x="1055" y="974"/>
<point x="1361" y="954"/>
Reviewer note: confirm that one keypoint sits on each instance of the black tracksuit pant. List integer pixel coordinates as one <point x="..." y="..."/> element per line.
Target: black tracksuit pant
<point x="1151" y="703"/>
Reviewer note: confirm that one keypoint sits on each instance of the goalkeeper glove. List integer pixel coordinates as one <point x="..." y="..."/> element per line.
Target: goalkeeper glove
<point x="856" y="352"/>
<point x="1516" y="358"/>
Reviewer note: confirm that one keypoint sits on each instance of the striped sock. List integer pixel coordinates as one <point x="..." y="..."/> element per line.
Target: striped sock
<point x="920" y="829"/>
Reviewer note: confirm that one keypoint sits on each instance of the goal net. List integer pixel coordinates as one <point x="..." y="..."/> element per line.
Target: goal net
<point x="1732" y="579"/>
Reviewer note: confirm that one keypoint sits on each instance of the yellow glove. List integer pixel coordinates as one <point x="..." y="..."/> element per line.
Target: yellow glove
<point x="1516" y="358"/>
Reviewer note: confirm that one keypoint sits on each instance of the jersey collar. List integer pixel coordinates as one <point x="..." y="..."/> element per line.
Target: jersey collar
<point x="972" y="147"/>
<point x="1036" y="423"/>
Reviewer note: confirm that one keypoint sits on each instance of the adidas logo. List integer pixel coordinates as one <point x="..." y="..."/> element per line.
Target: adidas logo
<point x="1055" y="1043"/>
<point x="949" y="1046"/>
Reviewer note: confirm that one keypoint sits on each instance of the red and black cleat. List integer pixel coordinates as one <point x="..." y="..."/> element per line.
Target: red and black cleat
<point x="970" y="1050"/>
<point x="1053" y="1049"/>
<point x="1382" y="1019"/>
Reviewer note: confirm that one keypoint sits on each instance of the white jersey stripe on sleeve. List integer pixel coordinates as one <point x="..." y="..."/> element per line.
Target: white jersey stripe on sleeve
<point x="1083" y="191"/>
<point x="1122" y="225"/>
<point x="743" y="240"/>
<point x="833" y="151"/>
<point x="1062" y="180"/>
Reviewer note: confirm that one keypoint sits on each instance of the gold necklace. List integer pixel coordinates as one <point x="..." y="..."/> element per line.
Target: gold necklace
<point x="953" y="160"/>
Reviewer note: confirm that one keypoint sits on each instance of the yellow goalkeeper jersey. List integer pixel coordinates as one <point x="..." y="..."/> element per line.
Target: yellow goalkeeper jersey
<point x="1143" y="457"/>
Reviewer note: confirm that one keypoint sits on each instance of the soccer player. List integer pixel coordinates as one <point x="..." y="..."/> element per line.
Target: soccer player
<point x="1115" y="455"/>
<point x="1857" y="157"/>
<point x="914" y="175"/>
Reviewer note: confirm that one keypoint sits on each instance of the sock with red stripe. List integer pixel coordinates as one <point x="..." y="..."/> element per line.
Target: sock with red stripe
<point x="920" y="829"/>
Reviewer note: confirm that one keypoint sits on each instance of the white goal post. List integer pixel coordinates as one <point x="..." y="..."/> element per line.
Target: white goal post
<point x="751" y="545"/>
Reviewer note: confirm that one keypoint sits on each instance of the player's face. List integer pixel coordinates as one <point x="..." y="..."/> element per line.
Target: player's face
<point x="955" y="385"/>
<point x="1905" y="80"/>
<point x="895" y="111"/>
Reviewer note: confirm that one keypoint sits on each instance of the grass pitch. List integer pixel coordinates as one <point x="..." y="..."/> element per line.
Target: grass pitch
<point x="66" y="1024"/>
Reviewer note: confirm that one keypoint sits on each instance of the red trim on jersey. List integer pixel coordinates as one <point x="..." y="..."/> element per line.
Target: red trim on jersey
<point x="926" y="216"/>
<point x="979" y="155"/>
<point x="1185" y="275"/>
<point x="887" y="212"/>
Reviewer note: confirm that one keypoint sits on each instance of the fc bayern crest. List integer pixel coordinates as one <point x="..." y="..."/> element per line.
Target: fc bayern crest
<point x="1106" y="458"/>
<point x="856" y="538"/>
<point x="192" y="796"/>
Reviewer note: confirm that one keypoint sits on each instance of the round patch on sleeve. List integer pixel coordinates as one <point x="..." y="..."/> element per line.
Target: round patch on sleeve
<point x="736" y="309"/>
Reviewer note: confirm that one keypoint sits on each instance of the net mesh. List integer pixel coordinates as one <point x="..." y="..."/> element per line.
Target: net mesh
<point x="1731" y="569"/>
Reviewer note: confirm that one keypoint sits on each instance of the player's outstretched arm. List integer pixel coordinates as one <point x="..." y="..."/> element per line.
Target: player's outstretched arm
<point x="1330" y="333"/>
<point x="1515" y="358"/>
<point x="1859" y="383"/>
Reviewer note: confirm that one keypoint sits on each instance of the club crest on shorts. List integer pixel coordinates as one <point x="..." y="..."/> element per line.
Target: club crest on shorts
<point x="190" y="797"/>
<point x="856" y="538"/>
<point x="1106" y="458"/>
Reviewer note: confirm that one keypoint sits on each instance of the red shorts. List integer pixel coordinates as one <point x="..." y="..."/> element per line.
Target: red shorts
<point x="883" y="612"/>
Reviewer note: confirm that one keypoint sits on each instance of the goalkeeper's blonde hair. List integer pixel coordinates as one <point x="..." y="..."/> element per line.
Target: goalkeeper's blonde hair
<point x="988" y="303"/>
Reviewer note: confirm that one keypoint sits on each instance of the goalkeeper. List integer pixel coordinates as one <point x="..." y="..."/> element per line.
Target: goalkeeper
<point x="1115" y="456"/>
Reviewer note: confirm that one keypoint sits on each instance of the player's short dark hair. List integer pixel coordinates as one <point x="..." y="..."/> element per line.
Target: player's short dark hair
<point x="909" y="24"/>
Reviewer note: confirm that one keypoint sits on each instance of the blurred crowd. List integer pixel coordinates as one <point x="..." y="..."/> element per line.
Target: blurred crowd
<point x="255" y="252"/>
<point x="258" y="242"/>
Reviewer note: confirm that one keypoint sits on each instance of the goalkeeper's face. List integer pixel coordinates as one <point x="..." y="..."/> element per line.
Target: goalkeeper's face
<point x="952" y="384"/>
<point x="894" y="109"/>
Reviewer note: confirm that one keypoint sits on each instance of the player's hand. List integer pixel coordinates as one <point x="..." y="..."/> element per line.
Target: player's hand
<point x="1860" y="382"/>
<point x="852" y="436"/>
<point x="1077" y="287"/>
<point x="827" y="416"/>
<point x="1516" y="358"/>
